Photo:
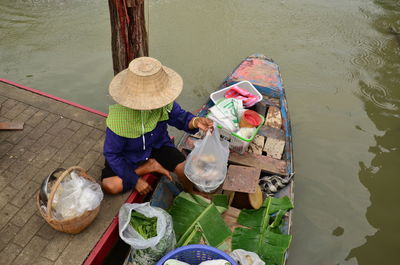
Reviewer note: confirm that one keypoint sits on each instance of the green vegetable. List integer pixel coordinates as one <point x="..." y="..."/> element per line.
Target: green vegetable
<point x="145" y="226"/>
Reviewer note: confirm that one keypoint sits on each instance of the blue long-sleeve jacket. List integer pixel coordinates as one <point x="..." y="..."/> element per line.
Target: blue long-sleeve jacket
<point x="123" y="154"/>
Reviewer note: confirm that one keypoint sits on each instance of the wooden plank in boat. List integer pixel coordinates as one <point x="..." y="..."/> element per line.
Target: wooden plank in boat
<point x="270" y="101"/>
<point x="274" y="118"/>
<point x="256" y="146"/>
<point x="261" y="108"/>
<point x="275" y="133"/>
<point x="264" y="163"/>
<point x="242" y="179"/>
<point x="274" y="148"/>
<point x="11" y="126"/>
<point x="230" y="195"/>
<point x="230" y="218"/>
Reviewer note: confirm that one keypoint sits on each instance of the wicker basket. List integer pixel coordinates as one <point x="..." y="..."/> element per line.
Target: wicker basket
<point x="72" y="225"/>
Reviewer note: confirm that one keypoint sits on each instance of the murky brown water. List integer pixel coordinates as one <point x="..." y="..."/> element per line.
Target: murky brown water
<point x="341" y="69"/>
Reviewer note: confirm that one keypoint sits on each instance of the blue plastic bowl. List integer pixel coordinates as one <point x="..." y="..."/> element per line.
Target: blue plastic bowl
<point x="195" y="254"/>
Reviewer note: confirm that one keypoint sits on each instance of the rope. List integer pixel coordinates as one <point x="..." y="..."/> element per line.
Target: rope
<point x="272" y="184"/>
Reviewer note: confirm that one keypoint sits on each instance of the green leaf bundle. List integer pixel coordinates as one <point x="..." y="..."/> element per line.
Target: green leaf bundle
<point x="196" y="219"/>
<point x="262" y="234"/>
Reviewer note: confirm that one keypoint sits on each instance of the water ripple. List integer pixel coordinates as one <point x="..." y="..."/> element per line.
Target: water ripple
<point x="367" y="58"/>
<point x="378" y="45"/>
<point x="353" y="75"/>
<point x="16" y="16"/>
<point x="378" y="95"/>
<point x="367" y="14"/>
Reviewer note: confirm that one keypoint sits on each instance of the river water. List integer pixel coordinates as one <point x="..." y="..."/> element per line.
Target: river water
<point x="340" y="62"/>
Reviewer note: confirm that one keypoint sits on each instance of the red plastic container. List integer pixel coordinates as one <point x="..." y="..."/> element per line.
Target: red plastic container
<point x="250" y="119"/>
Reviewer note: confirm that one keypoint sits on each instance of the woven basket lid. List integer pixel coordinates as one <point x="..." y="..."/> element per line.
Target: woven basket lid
<point x="146" y="85"/>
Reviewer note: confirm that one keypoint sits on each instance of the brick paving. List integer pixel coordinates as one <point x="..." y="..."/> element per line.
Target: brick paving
<point x="55" y="135"/>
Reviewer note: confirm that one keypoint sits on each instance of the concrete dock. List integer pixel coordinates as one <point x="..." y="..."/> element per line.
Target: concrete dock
<point x="55" y="135"/>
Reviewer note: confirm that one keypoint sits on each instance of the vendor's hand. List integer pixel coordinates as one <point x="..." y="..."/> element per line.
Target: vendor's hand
<point x="142" y="186"/>
<point x="202" y="123"/>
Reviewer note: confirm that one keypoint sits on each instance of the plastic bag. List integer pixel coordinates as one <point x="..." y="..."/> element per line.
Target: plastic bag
<point x="246" y="133"/>
<point x="227" y="113"/>
<point x="206" y="165"/>
<point x="243" y="257"/>
<point x="146" y="251"/>
<point x="75" y="196"/>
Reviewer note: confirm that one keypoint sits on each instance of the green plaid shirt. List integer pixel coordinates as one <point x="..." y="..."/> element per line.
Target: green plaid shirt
<point x="131" y="123"/>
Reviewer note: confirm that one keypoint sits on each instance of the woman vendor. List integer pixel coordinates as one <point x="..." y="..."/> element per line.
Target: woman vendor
<point x="137" y="140"/>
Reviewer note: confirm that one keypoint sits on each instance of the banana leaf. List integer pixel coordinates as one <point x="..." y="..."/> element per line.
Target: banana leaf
<point x="263" y="235"/>
<point x="197" y="219"/>
<point x="221" y="202"/>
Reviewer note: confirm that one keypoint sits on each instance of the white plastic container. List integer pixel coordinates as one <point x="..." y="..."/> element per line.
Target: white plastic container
<point x="246" y="85"/>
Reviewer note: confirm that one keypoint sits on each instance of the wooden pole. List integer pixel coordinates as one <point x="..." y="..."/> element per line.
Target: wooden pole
<point x="128" y="32"/>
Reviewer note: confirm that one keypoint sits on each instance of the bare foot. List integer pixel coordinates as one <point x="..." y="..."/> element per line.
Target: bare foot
<point x="154" y="166"/>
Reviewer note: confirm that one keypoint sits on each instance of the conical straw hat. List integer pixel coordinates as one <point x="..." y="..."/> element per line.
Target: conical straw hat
<point x="145" y="85"/>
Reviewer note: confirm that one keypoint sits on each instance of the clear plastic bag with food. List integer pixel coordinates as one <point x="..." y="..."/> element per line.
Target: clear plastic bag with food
<point x="206" y="165"/>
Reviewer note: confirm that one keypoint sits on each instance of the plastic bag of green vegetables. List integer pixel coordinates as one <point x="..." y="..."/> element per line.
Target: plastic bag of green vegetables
<point x="145" y="226"/>
<point x="148" y="230"/>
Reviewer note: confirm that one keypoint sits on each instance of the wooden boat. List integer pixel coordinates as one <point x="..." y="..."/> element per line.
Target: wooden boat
<point x="264" y="74"/>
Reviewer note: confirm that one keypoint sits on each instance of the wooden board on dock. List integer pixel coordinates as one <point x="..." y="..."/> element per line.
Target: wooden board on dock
<point x="11" y="126"/>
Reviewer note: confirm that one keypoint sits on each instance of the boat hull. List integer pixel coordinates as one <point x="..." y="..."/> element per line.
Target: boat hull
<point x="265" y="75"/>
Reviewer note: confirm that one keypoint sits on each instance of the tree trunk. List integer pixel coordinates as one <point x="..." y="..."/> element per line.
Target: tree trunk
<point x="128" y="32"/>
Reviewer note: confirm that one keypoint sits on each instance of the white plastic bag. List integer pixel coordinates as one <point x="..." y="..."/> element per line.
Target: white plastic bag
<point x="146" y="251"/>
<point x="75" y="196"/>
<point x="243" y="257"/>
<point x="206" y="165"/>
